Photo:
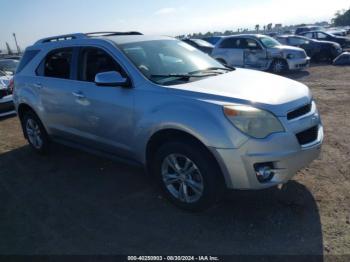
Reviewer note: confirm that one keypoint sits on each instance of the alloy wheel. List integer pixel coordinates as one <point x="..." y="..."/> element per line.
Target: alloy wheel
<point x="182" y="178"/>
<point x="279" y="66"/>
<point x="34" y="133"/>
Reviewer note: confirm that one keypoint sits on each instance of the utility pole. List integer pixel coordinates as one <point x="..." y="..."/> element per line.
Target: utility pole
<point x="18" y="49"/>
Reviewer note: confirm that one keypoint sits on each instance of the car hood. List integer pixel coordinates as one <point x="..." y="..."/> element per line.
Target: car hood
<point x="287" y="48"/>
<point x="343" y="38"/>
<point x="275" y="93"/>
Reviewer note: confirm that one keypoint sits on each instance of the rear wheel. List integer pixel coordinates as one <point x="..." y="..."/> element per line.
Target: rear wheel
<point x="279" y="66"/>
<point x="188" y="176"/>
<point x="35" y="133"/>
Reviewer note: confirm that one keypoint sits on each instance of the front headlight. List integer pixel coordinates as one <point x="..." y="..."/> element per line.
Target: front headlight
<point x="252" y="121"/>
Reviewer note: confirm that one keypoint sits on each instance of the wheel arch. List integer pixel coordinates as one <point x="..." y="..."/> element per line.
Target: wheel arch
<point x="22" y="109"/>
<point x="162" y="136"/>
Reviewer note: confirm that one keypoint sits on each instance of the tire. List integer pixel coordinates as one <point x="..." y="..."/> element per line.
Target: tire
<point x="35" y="133"/>
<point x="279" y="66"/>
<point x="195" y="191"/>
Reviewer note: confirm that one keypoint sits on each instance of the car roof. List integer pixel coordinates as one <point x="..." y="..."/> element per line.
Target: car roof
<point x="297" y="36"/>
<point x="315" y="31"/>
<point x="245" y="35"/>
<point x="309" y="26"/>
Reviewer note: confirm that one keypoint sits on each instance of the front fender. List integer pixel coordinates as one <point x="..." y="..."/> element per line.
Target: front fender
<point x="203" y="120"/>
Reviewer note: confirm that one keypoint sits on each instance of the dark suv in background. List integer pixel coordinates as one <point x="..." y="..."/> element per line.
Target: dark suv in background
<point x="317" y="50"/>
<point x="304" y="29"/>
<point x="324" y="36"/>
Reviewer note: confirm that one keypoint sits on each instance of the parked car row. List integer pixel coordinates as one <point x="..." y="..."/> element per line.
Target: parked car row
<point x="6" y="100"/>
<point x="259" y="52"/>
<point x="325" y="36"/>
<point x="317" y="50"/>
<point x="9" y="65"/>
<point x="8" y="68"/>
<point x="333" y="30"/>
<point x="279" y="53"/>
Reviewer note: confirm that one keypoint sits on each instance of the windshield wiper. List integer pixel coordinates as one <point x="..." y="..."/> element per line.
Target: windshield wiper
<point x="226" y="68"/>
<point x="183" y="76"/>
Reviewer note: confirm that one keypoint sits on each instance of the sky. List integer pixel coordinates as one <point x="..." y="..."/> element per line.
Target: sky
<point x="34" y="19"/>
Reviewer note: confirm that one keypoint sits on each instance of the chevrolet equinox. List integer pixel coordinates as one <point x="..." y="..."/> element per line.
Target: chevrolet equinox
<point x="197" y="126"/>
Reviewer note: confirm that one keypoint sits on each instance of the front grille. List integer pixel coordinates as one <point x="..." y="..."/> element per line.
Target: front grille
<point x="307" y="136"/>
<point x="299" y="112"/>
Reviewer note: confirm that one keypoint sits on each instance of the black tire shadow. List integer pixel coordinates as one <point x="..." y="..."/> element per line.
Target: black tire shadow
<point x="3" y="118"/>
<point x="74" y="203"/>
<point x="297" y="74"/>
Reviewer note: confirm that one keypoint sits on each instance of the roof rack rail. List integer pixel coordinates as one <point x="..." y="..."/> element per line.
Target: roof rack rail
<point x="61" y="38"/>
<point x="81" y="36"/>
<point x="113" y="33"/>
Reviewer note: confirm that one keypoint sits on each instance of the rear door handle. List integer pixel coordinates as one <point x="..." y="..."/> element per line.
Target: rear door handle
<point x="38" y="85"/>
<point x="78" y="94"/>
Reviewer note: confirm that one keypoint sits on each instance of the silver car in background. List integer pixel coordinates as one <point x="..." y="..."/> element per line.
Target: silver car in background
<point x="6" y="102"/>
<point x="197" y="126"/>
<point x="259" y="52"/>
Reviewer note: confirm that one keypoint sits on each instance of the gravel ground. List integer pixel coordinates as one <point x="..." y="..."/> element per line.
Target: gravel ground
<point x="74" y="203"/>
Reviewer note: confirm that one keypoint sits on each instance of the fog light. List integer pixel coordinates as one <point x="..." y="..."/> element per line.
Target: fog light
<point x="264" y="172"/>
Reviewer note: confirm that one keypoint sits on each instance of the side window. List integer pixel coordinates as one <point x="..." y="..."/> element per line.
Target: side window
<point x="252" y="44"/>
<point x="308" y="35"/>
<point x="58" y="64"/>
<point x="93" y="61"/>
<point x="282" y="40"/>
<point x="321" y="36"/>
<point x="297" y="41"/>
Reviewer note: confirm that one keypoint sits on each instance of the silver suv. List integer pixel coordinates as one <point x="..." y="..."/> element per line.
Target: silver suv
<point x="197" y="126"/>
<point x="259" y="52"/>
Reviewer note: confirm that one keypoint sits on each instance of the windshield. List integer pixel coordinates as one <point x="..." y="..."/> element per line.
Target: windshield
<point x="269" y="41"/>
<point x="8" y="65"/>
<point x="161" y="60"/>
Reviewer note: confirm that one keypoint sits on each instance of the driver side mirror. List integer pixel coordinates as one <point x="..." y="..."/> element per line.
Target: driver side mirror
<point x="111" y="78"/>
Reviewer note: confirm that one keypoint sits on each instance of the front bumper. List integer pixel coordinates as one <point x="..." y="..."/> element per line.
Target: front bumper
<point x="283" y="150"/>
<point x="298" y="63"/>
<point x="6" y="106"/>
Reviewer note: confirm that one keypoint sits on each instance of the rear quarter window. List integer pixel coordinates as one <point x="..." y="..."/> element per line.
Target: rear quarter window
<point x="25" y="60"/>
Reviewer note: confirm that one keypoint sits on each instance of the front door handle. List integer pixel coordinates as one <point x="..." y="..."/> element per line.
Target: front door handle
<point x="78" y="94"/>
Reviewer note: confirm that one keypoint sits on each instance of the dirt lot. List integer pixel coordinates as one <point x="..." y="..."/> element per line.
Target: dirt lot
<point x="75" y="203"/>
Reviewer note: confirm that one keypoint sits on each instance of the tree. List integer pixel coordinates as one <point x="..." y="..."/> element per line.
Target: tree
<point x="269" y="27"/>
<point x="257" y="27"/>
<point x="342" y="18"/>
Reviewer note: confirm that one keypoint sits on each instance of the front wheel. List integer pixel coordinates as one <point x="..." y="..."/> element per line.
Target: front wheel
<point x="279" y="66"/>
<point x="188" y="175"/>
